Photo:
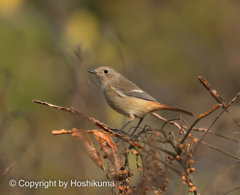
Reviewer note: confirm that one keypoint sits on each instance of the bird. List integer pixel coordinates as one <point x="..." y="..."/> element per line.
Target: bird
<point x="126" y="98"/>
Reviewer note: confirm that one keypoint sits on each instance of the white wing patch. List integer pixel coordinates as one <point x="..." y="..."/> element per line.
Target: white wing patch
<point x="120" y="93"/>
<point x="137" y="90"/>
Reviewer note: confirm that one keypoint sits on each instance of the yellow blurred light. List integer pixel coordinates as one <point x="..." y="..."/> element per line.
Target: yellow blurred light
<point x="8" y="7"/>
<point x="82" y="28"/>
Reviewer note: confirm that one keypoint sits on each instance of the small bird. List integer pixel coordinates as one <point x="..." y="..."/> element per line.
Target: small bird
<point x="126" y="98"/>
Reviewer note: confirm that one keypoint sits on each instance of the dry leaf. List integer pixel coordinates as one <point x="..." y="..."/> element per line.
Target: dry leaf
<point x="84" y="139"/>
<point x="216" y="96"/>
<point x="204" y="82"/>
<point x="109" y="148"/>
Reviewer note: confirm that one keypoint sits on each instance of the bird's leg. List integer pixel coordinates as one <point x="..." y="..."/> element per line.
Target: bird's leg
<point x="131" y="119"/>
<point x="141" y="119"/>
<point x="119" y="131"/>
<point x="124" y="126"/>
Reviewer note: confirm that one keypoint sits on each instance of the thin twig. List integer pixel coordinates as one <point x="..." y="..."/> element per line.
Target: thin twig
<point x="208" y="129"/>
<point x="233" y="166"/>
<point x="167" y="165"/>
<point x="238" y="188"/>
<point x="71" y="110"/>
<point x="190" y="178"/>
<point x="233" y="100"/>
<point x="200" y="129"/>
<point x="198" y="119"/>
<point x="156" y="147"/>
<point x="63" y="131"/>
<point x="216" y="96"/>
<point x="222" y="151"/>
<point x="221" y="179"/>
<point x="8" y="169"/>
<point x="214" y="133"/>
<point x="165" y="120"/>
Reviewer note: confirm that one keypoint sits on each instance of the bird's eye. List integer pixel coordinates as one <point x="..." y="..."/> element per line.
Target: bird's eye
<point x="105" y="71"/>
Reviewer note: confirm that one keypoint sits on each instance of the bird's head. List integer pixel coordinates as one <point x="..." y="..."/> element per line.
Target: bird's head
<point x="105" y="74"/>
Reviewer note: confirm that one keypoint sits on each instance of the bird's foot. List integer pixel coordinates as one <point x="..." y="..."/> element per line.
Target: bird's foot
<point x="133" y="137"/>
<point x="114" y="130"/>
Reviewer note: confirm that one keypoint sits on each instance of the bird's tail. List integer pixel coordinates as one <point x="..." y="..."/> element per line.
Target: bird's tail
<point x="157" y="106"/>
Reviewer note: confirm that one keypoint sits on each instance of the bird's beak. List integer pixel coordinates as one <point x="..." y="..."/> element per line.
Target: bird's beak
<point x="92" y="71"/>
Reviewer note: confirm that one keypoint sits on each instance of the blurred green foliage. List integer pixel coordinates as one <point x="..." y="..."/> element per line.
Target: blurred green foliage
<point x="47" y="46"/>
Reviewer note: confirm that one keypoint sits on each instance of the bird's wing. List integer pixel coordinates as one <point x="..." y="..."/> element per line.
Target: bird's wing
<point x="127" y="88"/>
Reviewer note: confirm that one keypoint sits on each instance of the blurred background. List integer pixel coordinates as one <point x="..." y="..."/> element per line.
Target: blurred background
<point x="46" y="48"/>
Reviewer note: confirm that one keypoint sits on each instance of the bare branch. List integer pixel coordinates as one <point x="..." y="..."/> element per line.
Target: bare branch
<point x="165" y="120"/>
<point x="8" y="169"/>
<point x="161" y="149"/>
<point x="216" y="96"/>
<point x="238" y="188"/>
<point x="201" y="116"/>
<point x="201" y="129"/>
<point x="63" y="131"/>
<point x="222" y="151"/>
<point x="216" y="120"/>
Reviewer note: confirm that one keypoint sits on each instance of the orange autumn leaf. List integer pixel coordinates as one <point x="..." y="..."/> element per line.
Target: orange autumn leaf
<point x="109" y="148"/>
<point x="84" y="139"/>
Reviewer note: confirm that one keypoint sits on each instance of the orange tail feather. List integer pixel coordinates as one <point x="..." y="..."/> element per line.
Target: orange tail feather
<point x="154" y="106"/>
